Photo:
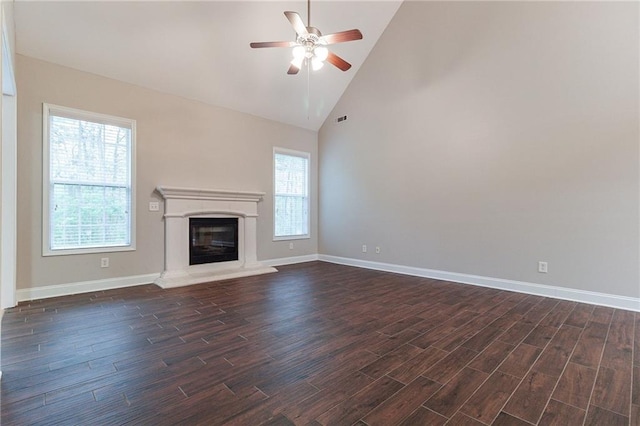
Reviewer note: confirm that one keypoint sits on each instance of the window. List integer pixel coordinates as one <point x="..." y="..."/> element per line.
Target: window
<point x="88" y="176"/>
<point x="291" y="194"/>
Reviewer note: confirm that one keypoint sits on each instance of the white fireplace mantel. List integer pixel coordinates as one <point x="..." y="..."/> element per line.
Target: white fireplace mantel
<point x="170" y="192"/>
<point x="183" y="203"/>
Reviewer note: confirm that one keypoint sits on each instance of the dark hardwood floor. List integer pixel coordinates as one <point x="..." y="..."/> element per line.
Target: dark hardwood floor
<point x="319" y="343"/>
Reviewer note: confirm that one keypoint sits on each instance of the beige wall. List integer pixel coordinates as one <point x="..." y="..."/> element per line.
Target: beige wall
<point x="179" y="143"/>
<point x="483" y="137"/>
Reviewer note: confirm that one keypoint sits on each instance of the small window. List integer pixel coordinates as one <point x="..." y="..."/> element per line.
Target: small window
<point x="88" y="182"/>
<point x="291" y="194"/>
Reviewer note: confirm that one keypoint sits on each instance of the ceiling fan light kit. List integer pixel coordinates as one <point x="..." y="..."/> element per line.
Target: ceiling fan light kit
<point x="321" y="52"/>
<point x="310" y="45"/>
<point x="316" y="63"/>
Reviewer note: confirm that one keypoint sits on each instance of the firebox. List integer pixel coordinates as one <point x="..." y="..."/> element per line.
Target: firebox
<point x="213" y="240"/>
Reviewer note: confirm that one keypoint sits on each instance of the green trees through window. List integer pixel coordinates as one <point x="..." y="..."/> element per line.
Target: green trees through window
<point x="89" y="179"/>
<point x="291" y="194"/>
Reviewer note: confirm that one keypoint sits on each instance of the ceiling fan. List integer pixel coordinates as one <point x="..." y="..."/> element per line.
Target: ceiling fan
<point x="310" y="44"/>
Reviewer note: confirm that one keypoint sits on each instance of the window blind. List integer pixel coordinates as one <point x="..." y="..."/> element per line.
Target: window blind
<point x="89" y="182"/>
<point x="291" y="195"/>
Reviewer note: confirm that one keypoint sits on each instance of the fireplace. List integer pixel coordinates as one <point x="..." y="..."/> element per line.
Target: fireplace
<point x="210" y="235"/>
<point x="213" y="240"/>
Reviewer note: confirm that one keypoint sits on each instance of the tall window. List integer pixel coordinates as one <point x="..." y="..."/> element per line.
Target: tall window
<point x="291" y="194"/>
<point x="88" y="174"/>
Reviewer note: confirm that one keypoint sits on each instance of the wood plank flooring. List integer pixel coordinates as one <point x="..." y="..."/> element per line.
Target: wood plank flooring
<point x="319" y="343"/>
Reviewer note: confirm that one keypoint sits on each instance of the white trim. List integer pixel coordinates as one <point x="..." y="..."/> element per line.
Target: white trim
<point x="88" y="250"/>
<point x="83" y="287"/>
<point x="95" y="117"/>
<point x="614" y="301"/>
<point x="8" y="197"/>
<point x="591" y="297"/>
<point x="177" y="193"/>
<point x="235" y="213"/>
<point x="292" y="237"/>
<point x="291" y="260"/>
<point x="76" y="114"/>
<point x="299" y="154"/>
<point x="8" y="171"/>
<point x="8" y="74"/>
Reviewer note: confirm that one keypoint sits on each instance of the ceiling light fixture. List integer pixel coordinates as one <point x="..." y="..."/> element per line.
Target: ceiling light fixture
<point x="310" y="45"/>
<point x="316" y="63"/>
<point x="317" y="54"/>
<point x="321" y="53"/>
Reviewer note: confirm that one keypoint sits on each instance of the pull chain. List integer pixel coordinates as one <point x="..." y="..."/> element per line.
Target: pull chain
<point x="307" y="60"/>
<point x="308" y="88"/>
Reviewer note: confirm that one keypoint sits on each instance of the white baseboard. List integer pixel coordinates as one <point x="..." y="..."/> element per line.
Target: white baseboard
<point x="290" y="260"/>
<point x="83" y="287"/>
<point x="612" y="300"/>
<point x="604" y="299"/>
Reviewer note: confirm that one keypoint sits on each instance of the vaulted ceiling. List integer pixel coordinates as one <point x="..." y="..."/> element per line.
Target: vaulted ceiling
<point x="200" y="50"/>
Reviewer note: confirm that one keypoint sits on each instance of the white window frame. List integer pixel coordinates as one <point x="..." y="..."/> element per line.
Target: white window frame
<point x="307" y="156"/>
<point x="47" y="110"/>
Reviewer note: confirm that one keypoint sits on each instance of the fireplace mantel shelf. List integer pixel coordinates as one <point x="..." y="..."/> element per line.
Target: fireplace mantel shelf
<point x="172" y="192"/>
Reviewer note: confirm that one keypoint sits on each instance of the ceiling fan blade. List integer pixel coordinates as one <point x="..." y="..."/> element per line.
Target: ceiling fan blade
<point x="342" y="36"/>
<point x="293" y="70"/>
<point x="257" y="44"/>
<point x="337" y="61"/>
<point x="297" y="22"/>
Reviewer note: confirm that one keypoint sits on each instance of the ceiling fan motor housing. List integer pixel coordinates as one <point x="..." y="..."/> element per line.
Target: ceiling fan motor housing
<point x="310" y="41"/>
<point x="311" y="38"/>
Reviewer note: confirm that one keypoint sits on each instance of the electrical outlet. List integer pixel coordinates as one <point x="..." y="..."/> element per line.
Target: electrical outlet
<point x="543" y="267"/>
<point x="290" y="246"/>
<point x="154" y="206"/>
<point x="364" y="248"/>
<point x="104" y="262"/>
<point x="378" y="250"/>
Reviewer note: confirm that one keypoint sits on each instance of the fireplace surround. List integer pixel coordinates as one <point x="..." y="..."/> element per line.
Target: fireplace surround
<point x="181" y="206"/>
